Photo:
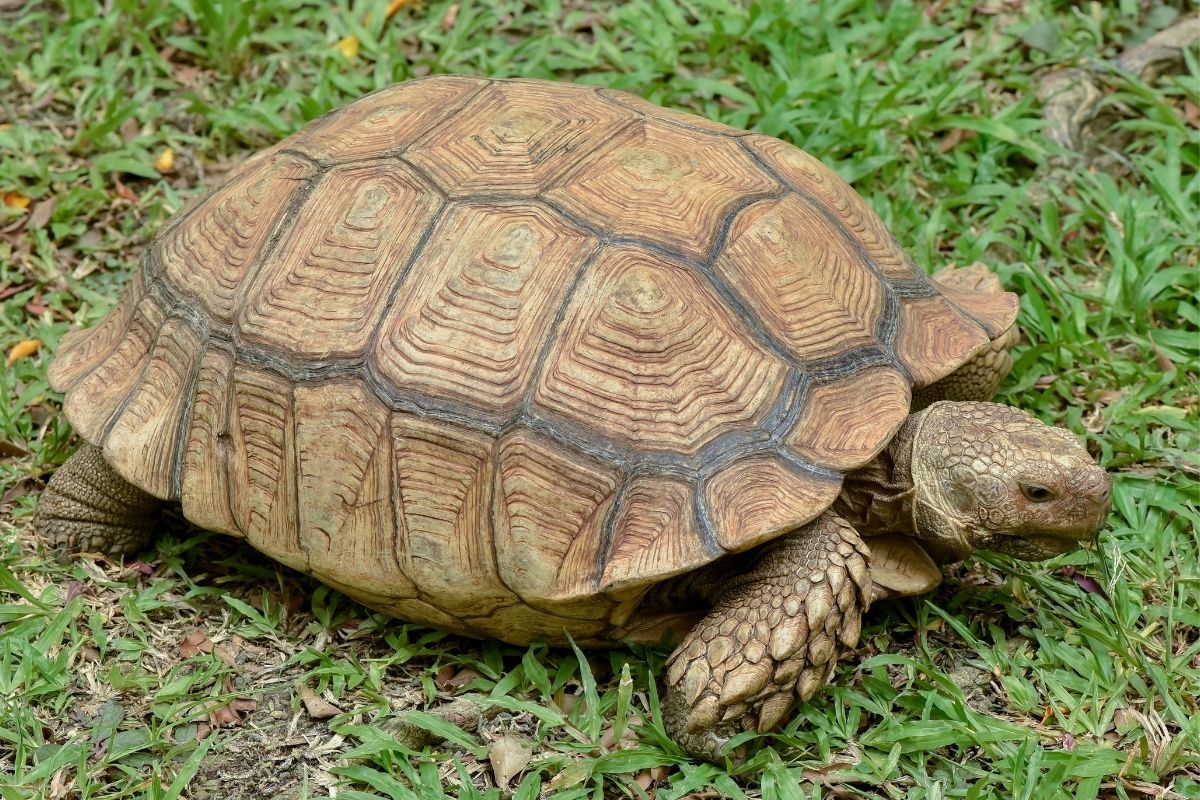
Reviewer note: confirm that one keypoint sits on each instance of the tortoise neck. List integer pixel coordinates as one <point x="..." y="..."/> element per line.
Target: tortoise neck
<point x="878" y="497"/>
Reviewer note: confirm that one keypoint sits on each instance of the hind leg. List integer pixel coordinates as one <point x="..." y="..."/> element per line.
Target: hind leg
<point x="88" y="507"/>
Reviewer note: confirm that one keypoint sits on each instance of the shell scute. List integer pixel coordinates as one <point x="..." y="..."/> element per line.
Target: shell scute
<point x="758" y="498"/>
<point x="550" y="510"/>
<point x="386" y="121"/>
<point x="323" y="292"/>
<point x="798" y="270"/>
<point x="210" y="251"/>
<point x="143" y="439"/>
<point x="482" y="293"/>
<point x="94" y="398"/>
<point x="654" y="534"/>
<point x="812" y="178"/>
<point x="516" y="138"/>
<point x="443" y="486"/>
<point x="654" y="183"/>
<point x="652" y="357"/>
<point x="846" y="422"/>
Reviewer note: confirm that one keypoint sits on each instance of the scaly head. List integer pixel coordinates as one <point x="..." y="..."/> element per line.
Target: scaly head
<point x="991" y="477"/>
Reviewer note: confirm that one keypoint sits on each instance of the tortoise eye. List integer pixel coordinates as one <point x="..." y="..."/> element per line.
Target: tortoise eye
<point x="1038" y="494"/>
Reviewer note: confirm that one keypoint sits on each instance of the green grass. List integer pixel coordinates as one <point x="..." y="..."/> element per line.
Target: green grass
<point x="1012" y="681"/>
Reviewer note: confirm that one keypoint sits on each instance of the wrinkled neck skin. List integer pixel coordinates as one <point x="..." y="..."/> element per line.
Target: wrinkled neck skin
<point x="885" y="496"/>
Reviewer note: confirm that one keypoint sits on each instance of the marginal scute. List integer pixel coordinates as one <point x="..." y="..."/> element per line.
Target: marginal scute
<point x="789" y="263"/>
<point x="522" y="624"/>
<point x="93" y="400"/>
<point x="650" y="355"/>
<point x="142" y="441"/>
<point x="210" y="252"/>
<point x="79" y="351"/>
<point x="483" y="292"/>
<point x="846" y="422"/>
<point x="654" y="535"/>
<point x="550" y="508"/>
<point x="443" y="486"/>
<point x="811" y="177"/>
<point x="262" y="464"/>
<point x="387" y="120"/>
<point x="516" y="138"/>
<point x="209" y="447"/>
<point x="344" y="476"/>
<point x="655" y="184"/>
<point x="326" y="287"/>
<point x="977" y="291"/>
<point x="758" y="498"/>
<point x="934" y="339"/>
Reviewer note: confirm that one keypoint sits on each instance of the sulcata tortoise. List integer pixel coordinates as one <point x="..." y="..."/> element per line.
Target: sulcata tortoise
<point x="536" y="361"/>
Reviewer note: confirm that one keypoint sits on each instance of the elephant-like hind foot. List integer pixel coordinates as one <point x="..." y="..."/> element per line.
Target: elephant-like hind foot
<point x="88" y="507"/>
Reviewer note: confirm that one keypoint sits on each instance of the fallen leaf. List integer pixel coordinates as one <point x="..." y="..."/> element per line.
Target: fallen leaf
<point x="1089" y="584"/>
<point x="195" y="643"/>
<point x="1191" y="113"/>
<point x="509" y="755"/>
<point x="9" y="291"/>
<point x="348" y="46"/>
<point x="19" y="489"/>
<point x="442" y="678"/>
<point x="228" y="658"/>
<point x="11" y="450"/>
<point x="165" y="161"/>
<point x="23" y="350"/>
<point x="123" y="191"/>
<point x="574" y="774"/>
<point x="16" y="200"/>
<point x="393" y="7"/>
<point x="316" y="706"/>
<point x="41" y="213"/>
<point x="955" y="137"/>
<point x="36" y="308"/>
<point x="450" y="18"/>
<point x="130" y="129"/>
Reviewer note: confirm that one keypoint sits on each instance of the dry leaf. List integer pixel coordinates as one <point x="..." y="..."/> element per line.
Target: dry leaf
<point x="123" y="191"/>
<point x="450" y="18"/>
<point x="316" y="706"/>
<point x="16" y="200"/>
<point x="954" y="138"/>
<point x="348" y="46"/>
<point x="41" y="213"/>
<point x="393" y="7"/>
<point x="509" y="755"/>
<point x="165" y="161"/>
<point x="194" y="643"/>
<point x="9" y="291"/>
<point x="23" y="350"/>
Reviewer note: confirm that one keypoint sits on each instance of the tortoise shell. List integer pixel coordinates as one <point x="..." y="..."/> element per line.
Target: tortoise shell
<point x="500" y="355"/>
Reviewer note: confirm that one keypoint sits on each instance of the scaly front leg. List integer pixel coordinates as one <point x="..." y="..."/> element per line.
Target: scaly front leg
<point x="773" y="637"/>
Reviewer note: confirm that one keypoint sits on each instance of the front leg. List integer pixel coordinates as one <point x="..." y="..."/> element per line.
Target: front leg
<point x="772" y="638"/>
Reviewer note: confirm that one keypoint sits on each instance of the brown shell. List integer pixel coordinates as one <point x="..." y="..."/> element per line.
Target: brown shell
<point x="498" y="355"/>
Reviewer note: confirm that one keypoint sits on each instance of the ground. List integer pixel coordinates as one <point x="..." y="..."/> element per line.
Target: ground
<point x="203" y="670"/>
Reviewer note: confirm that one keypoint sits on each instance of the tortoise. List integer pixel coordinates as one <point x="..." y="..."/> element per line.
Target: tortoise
<point x="537" y="361"/>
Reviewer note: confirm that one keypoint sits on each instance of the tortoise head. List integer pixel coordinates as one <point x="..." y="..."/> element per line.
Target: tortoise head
<point x="991" y="477"/>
